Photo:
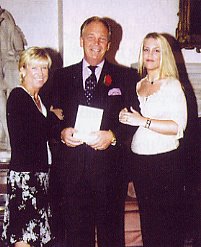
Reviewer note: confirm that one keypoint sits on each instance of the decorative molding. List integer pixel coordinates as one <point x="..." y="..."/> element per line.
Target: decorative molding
<point x="193" y="68"/>
<point x="194" y="73"/>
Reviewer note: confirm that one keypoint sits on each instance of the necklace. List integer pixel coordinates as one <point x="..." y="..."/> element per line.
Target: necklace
<point x="150" y="88"/>
<point x="153" y="80"/>
<point x="35" y="99"/>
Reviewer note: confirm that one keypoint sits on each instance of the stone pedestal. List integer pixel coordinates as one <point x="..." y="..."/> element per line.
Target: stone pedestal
<point x="3" y="191"/>
<point x="5" y="156"/>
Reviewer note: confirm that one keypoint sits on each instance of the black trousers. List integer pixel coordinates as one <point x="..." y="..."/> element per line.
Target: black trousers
<point x="89" y="213"/>
<point x="159" y="185"/>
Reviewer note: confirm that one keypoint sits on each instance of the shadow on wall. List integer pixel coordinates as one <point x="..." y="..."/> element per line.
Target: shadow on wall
<point x="116" y="38"/>
<point x="57" y="63"/>
<point x="191" y="143"/>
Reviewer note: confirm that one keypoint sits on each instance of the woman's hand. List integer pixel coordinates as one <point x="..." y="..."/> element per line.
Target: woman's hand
<point x="58" y="112"/>
<point x="132" y="118"/>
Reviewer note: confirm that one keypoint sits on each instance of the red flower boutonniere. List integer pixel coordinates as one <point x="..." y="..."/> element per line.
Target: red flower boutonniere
<point x="107" y="80"/>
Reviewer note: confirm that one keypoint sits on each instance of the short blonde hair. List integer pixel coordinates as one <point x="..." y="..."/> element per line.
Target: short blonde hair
<point x="168" y="67"/>
<point x="33" y="55"/>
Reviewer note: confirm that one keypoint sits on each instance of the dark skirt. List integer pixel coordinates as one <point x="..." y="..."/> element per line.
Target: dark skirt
<point x="27" y="211"/>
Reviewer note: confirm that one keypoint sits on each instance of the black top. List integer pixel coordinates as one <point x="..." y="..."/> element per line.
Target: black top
<point x="29" y="132"/>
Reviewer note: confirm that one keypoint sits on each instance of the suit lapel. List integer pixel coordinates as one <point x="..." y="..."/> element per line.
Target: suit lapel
<point x="101" y="92"/>
<point x="78" y="85"/>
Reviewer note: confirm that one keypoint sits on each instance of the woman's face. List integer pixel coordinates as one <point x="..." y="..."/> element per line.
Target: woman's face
<point x="35" y="74"/>
<point x="151" y="54"/>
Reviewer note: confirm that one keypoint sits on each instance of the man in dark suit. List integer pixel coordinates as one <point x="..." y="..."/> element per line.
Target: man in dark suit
<point x="91" y="174"/>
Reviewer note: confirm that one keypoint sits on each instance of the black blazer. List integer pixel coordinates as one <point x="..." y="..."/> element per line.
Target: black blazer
<point x="98" y="167"/>
<point x="29" y="131"/>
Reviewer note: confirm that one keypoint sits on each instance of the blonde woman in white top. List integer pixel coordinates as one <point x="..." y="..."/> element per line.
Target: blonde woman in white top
<point x="157" y="171"/>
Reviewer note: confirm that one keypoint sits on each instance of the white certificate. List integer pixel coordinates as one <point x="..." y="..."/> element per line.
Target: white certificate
<point x="88" y="120"/>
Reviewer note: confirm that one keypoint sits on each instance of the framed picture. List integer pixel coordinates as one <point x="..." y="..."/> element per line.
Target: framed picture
<point x="188" y="31"/>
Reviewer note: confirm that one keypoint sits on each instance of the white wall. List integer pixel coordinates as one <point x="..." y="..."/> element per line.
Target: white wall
<point x="38" y="19"/>
<point x="137" y="18"/>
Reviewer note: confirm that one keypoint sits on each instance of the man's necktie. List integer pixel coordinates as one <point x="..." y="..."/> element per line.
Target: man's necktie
<point x="90" y="84"/>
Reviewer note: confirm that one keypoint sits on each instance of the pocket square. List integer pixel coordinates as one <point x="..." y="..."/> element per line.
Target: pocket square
<point x="114" y="91"/>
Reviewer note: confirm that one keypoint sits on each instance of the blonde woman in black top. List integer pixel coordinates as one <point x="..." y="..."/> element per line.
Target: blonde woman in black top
<point x="29" y="123"/>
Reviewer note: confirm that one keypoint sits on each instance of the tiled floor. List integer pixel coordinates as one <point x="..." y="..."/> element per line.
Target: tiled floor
<point x="132" y="223"/>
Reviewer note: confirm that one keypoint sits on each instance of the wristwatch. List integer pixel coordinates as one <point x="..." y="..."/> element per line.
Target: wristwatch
<point x="114" y="140"/>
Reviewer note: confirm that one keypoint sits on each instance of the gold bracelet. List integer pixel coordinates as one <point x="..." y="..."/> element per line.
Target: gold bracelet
<point x="148" y="123"/>
<point x="114" y="140"/>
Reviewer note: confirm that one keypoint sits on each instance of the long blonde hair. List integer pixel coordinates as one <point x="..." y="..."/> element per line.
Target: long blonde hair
<point x="168" y="67"/>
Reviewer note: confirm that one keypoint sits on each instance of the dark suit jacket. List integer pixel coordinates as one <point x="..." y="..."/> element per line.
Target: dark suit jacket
<point x="100" y="168"/>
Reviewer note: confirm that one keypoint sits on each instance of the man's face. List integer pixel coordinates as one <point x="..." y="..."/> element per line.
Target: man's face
<point x="95" y="43"/>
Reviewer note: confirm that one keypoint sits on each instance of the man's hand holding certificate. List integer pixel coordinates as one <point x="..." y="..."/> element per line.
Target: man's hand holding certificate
<point x="87" y="122"/>
<point x="87" y="130"/>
